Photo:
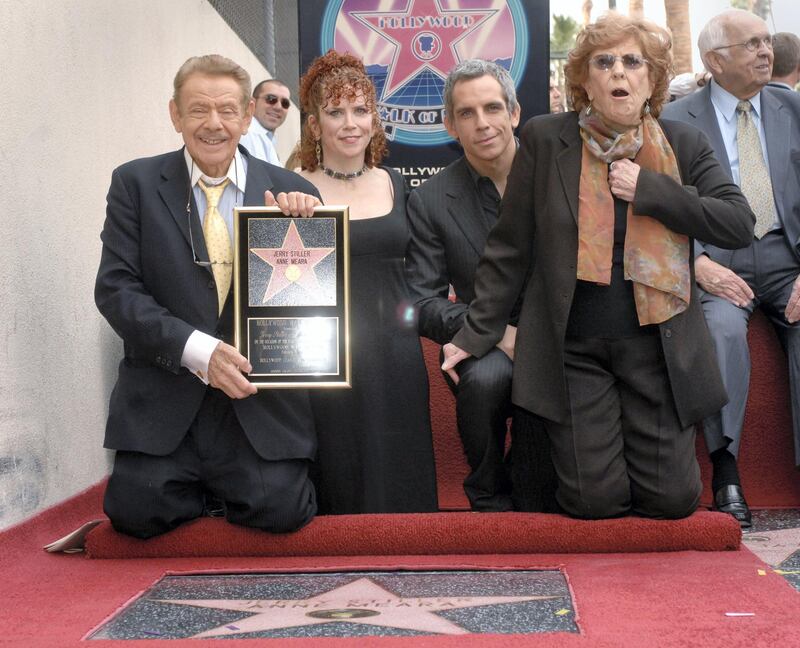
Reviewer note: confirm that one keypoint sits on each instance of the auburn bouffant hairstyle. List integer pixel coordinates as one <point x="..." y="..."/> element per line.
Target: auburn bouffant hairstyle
<point x="609" y="30"/>
<point x="329" y="79"/>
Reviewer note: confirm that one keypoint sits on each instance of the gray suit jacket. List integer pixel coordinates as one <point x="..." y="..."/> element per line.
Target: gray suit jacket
<point x="448" y="234"/>
<point x="781" y="115"/>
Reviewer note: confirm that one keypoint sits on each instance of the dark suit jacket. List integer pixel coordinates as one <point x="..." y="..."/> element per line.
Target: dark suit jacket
<point x="780" y="110"/>
<point x="537" y="233"/>
<point x="448" y="234"/>
<point x="154" y="296"/>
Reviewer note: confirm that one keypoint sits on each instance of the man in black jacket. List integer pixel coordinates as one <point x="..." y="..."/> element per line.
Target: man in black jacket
<point x="183" y="418"/>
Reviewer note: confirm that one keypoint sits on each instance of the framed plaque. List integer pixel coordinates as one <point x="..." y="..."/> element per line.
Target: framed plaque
<point x="291" y="292"/>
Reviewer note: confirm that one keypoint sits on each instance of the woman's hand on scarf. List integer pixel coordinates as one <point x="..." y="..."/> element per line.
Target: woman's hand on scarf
<point x="723" y="282"/>
<point x="622" y="178"/>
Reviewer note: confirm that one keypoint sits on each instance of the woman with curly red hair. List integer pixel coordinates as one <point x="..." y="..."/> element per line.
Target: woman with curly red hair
<point x="375" y="449"/>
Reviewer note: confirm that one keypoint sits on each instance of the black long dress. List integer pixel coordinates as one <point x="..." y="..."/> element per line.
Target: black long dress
<point x="375" y="448"/>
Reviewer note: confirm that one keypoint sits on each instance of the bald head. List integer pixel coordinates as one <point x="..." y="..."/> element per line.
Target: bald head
<point x="736" y="47"/>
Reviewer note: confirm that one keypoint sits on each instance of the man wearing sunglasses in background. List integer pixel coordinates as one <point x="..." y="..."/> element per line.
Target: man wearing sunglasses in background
<point x="755" y="132"/>
<point x="272" y="101"/>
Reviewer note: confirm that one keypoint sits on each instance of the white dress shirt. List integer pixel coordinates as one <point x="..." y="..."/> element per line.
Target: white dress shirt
<point x="260" y="143"/>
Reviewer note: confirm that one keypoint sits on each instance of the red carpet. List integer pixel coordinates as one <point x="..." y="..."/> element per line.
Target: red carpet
<point x="622" y="600"/>
<point x="428" y="534"/>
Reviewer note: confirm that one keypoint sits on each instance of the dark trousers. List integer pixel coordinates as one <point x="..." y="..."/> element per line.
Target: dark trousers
<point x="148" y="495"/>
<point x="625" y="450"/>
<point x="533" y="477"/>
<point x="483" y="405"/>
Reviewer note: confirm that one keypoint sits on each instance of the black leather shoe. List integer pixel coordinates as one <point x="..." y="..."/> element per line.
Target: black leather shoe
<point x="730" y="499"/>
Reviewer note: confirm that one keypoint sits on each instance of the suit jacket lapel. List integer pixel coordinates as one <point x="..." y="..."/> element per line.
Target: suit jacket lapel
<point x="463" y="207"/>
<point x="702" y="110"/>
<point x="174" y="191"/>
<point x="776" y="126"/>
<point x="568" y="162"/>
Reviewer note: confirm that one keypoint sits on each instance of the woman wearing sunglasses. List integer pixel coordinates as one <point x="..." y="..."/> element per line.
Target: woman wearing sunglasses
<point x="600" y="213"/>
<point x="375" y="449"/>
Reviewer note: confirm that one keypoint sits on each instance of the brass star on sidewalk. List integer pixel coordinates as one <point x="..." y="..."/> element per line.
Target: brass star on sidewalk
<point x="361" y="601"/>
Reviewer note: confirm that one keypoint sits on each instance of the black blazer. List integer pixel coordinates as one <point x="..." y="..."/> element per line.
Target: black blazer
<point x="448" y="234"/>
<point x="780" y="113"/>
<point x="154" y="296"/>
<point x="537" y="234"/>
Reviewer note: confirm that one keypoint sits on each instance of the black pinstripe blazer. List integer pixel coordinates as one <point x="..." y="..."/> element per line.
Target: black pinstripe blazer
<point x="448" y="234"/>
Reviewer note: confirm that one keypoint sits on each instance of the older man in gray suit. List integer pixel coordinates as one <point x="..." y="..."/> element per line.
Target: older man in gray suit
<point x="755" y="132"/>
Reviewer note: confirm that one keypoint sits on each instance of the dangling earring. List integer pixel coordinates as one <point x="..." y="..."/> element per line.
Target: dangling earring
<point x="647" y="106"/>
<point x="319" y="153"/>
<point x="589" y="108"/>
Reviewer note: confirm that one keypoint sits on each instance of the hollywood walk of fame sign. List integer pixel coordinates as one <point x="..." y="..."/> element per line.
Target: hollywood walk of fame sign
<point x="410" y="46"/>
<point x="291" y="296"/>
<point x="253" y="606"/>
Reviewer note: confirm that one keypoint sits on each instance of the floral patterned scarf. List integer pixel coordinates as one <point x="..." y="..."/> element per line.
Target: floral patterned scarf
<point x="656" y="259"/>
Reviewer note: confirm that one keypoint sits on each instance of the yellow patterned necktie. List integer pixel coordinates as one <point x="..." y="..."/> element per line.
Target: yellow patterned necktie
<point x="218" y="241"/>
<point x="754" y="179"/>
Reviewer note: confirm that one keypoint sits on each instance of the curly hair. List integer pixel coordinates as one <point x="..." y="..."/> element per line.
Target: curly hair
<point x="609" y="30"/>
<point x="329" y="79"/>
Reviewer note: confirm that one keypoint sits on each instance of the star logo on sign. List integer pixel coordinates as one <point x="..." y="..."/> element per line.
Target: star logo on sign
<point x="361" y="601"/>
<point x="292" y="263"/>
<point x="424" y="37"/>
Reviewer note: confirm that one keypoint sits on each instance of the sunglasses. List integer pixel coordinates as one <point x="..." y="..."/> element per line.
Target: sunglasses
<point x="607" y="61"/>
<point x="272" y="99"/>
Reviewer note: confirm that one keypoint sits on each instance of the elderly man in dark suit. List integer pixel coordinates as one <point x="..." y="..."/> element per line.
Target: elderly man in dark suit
<point x="450" y="217"/>
<point x="183" y="418"/>
<point x="755" y="132"/>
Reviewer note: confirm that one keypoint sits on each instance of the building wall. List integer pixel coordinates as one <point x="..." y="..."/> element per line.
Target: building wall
<point x="86" y="86"/>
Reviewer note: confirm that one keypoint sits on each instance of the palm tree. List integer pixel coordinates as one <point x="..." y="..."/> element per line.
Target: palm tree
<point x="761" y="8"/>
<point x="678" y="23"/>
<point x="563" y="38"/>
<point x="586" y="10"/>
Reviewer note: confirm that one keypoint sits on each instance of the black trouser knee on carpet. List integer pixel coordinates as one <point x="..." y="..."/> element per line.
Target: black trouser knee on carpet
<point x="483" y="405"/>
<point x="625" y="450"/>
<point x="148" y="495"/>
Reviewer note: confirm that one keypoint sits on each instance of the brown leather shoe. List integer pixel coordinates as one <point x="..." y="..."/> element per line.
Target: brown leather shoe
<point x="730" y="499"/>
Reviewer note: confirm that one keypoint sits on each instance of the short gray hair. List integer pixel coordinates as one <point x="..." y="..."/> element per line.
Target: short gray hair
<point x="715" y="33"/>
<point x="473" y="69"/>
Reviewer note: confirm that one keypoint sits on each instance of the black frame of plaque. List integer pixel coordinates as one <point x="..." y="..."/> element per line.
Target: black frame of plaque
<point x="249" y="317"/>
